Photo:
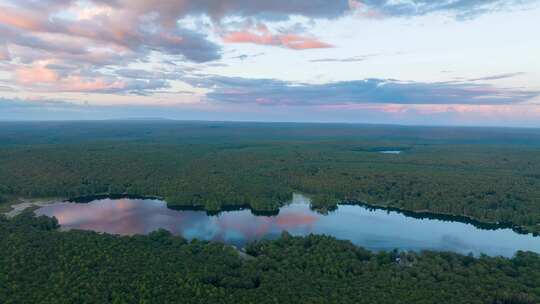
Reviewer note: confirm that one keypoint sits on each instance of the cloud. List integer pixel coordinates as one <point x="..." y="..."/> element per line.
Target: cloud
<point x="347" y="59"/>
<point x="16" y="104"/>
<point x="123" y="28"/>
<point x="144" y="74"/>
<point x="356" y="58"/>
<point x="36" y="74"/>
<point x="4" y="53"/>
<point x="91" y="46"/>
<point x="170" y="11"/>
<point x="461" y="9"/>
<point x="378" y="91"/>
<point x="518" y="115"/>
<point x="50" y="109"/>
<point x="109" y="85"/>
<point x="19" y="37"/>
<point x="260" y="34"/>
<point x="497" y="77"/>
<point x="140" y="26"/>
<point x="78" y="40"/>
<point x="42" y="78"/>
<point x="243" y="57"/>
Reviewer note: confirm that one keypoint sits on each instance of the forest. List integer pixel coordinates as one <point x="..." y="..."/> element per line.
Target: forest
<point x="40" y="264"/>
<point x="487" y="174"/>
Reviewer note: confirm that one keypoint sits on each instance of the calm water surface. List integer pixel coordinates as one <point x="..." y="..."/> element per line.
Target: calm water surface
<point x="372" y="229"/>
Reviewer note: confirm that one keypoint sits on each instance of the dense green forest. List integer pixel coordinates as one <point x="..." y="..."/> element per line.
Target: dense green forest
<point x="39" y="264"/>
<point x="492" y="175"/>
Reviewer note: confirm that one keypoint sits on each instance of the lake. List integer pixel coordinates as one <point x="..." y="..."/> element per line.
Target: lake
<point x="366" y="227"/>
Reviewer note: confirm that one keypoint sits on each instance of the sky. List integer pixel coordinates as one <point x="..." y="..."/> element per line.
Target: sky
<point x="413" y="62"/>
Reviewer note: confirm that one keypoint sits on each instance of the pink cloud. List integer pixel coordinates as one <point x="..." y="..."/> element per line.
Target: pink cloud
<point x="299" y="42"/>
<point x="35" y="75"/>
<point x="361" y="10"/>
<point x="130" y="26"/>
<point x="262" y="35"/>
<point x="253" y="227"/>
<point x="21" y="19"/>
<point x="4" y="53"/>
<point x="479" y="110"/>
<point x="393" y="108"/>
<point x="289" y="221"/>
<point x="39" y="77"/>
<point x="77" y="39"/>
<point x="79" y="84"/>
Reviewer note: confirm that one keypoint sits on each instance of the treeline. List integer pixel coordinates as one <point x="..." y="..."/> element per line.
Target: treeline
<point x="488" y="183"/>
<point x="39" y="264"/>
<point x="215" y="165"/>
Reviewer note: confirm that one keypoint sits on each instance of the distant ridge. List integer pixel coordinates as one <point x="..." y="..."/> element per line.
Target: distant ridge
<point x="142" y="118"/>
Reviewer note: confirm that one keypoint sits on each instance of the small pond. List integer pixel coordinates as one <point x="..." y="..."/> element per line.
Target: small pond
<point x="366" y="227"/>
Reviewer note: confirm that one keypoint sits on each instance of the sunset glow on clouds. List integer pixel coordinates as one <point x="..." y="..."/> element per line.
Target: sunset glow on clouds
<point x="260" y="34"/>
<point x="377" y="61"/>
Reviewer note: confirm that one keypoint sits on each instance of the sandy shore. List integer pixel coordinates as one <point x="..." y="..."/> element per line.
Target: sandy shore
<point x="27" y="203"/>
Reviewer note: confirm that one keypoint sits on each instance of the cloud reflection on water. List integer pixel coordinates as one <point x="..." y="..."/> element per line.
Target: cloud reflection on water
<point x="135" y="216"/>
<point x="373" y="229"/>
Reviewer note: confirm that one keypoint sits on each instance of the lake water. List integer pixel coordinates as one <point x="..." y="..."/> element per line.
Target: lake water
<point x="391" y="152"/>
<point x="372" y="229"/>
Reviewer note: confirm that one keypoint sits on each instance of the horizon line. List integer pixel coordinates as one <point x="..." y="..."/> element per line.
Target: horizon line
<point x="163" y="119"/>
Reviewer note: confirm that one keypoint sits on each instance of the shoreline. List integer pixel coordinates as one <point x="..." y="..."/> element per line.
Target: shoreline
<point x="426" y="214"/>
<point x="24" y="203"/>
